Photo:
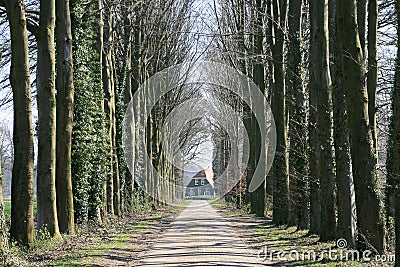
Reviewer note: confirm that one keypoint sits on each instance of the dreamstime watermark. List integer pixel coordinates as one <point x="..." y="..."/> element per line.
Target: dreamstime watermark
<point x="340" y="253"/>
<point x="198" y="76"/>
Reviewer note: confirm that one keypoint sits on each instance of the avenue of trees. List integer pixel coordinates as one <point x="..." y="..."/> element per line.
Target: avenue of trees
<point x="335" y="170"/>
<point x="327" y="68"/>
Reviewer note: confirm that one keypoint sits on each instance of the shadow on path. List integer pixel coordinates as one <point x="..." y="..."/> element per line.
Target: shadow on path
<point x="199" y="236"/>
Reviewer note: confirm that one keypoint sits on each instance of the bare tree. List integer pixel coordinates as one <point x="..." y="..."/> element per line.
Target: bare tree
<point x="278" y="106"/>
<point x="46" y="170"/>
<point x="369" y="216"/>
<point x="396" y="138"/>
<point x="3" y="224"/>
<point x="65" y="101"/>
<point x="22" y="225"/>
<point x="322" y="84"/>
<point x="344" y="178"/>
<point x="297" y="120"/>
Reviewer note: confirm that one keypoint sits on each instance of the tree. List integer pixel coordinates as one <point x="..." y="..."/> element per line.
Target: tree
<point x="108" y="75"/>
<point x="369" y="213"/>
<point x="89" y="138"/>
<point x="372" y="75"/>
<point x="396" y="138"/>
<point x="65" y="102"/>
<point x="123" y="98"/>
<point x="322" y="84"/>
<point x="46" y="169"/>
<point x="22" y="225"/>
<point x="3" y="224"/>
<point x="278" y="107"/>
<point x="297" y="120"/>
<point x="257" y="203"/>
<point x="313" y="160"/>
<point x="315" y="197"/>
<point x="361" y="22"/>
<point x="344" y="178"/>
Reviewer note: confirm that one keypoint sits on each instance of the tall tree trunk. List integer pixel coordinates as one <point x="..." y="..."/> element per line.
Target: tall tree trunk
<point x="321" y="83"/>
<point x="315" y="198"/>
<point x="314" y="188"/>
<point x="278" y="105"/>
<point x="361" y="22"/>
<point x="3" y="224"/>
<point x="396" y="139"/>
<point x="116" y="173"/>
<point x="65" y="102"/>
<point x="270" y="81"/>
<point x="123" y="97"/>
<point x="130" y="123"/>
<point x="369" y="216"/>
<point x="372" y="78"/>
<point x="89" y="147"/>
<point x="344" y="178"/>
<point x="257" y="204"/>
<point x="297" y="124"/>
<point x="108" y="104"/>
<point x="100" y="48"/>
<point x="46" y="169"/>
<point x="114" y="196"/>
<point x="22" y="225"/>
<point x="136" y="80"/>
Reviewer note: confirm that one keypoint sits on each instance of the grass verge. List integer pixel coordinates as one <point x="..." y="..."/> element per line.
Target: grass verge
<point x="287" y="246"/>
<point x="96" y="245"/>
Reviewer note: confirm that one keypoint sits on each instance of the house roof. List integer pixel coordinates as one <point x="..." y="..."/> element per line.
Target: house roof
<point x="206" y="173"/>
<point x="200" y="174"/>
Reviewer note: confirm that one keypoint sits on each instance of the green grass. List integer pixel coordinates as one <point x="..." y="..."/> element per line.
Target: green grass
<point x="119" y="237"/>
<point x="123" y="236"/>
<point x="70" y="264"/>
<point x="89" y="243"/>
<point x="179" y="206"/>
<point x="7" y="207"/>
<point x="287" y="239"/>
<point x="230" y="210"/>
<point x="281" y="238"/>
<point x="217" y="203"/>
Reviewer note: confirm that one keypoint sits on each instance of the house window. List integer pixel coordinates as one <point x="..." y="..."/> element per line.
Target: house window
<point x="196" y="182"/>
<point x="202" y="181"/>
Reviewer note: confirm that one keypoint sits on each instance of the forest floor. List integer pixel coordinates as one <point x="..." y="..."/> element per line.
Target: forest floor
<point x="200" y="234"/>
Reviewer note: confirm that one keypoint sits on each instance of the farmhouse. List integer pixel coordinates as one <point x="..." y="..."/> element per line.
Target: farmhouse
<point x="201" y="185"/>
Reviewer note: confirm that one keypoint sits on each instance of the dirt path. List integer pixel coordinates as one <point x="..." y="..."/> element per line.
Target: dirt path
<point x="200" y="236"/>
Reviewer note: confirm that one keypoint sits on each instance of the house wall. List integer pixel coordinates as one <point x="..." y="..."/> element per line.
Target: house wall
<point x="200" y="189"/>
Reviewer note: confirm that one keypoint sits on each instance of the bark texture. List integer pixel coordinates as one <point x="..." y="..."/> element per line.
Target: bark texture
<point x="46" y="169"/>
<point x="396" y="139"/>
<point x="322" y="84"/>
<point x="65" y="103"/>
<point x="298" y="185"/>
<point x="257" y="204"/>
<point x="344" y="178"/>
<point x="278" y="106"/>
<point x="369" y="212"/>
<point x="3" y="224"/>
<point x="372" y="75"/>
<point x="22" y="225"/>
<point x="110" y="108"/>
